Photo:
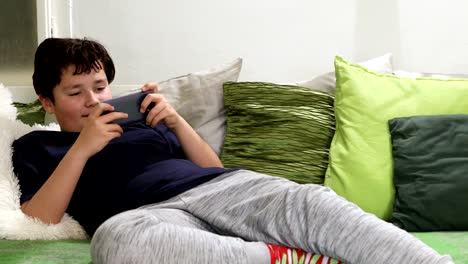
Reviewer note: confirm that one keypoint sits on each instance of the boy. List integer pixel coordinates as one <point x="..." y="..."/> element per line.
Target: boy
<point x="155" y="192"/>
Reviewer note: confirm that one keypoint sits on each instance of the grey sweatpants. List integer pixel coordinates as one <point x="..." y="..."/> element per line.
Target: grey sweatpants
<point x="223" y="220"/>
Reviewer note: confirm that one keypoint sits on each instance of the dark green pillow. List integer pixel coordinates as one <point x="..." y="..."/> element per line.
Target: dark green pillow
<point x="430" y="155"/>
<point x="281" y="130"/>
<point x="30" y="113"/>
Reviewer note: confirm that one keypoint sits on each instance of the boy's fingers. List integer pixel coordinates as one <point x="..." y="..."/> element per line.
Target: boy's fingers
<point x="100" y="108"/>
<point x="150" y="86"/>
<point x="116" y="128"/>
<point x="150" y="98"/>
<point x="109" y="117"/>
<point x="157" y="114"/>
<point x="115" y="134"/>
<point x="154" y="112"/>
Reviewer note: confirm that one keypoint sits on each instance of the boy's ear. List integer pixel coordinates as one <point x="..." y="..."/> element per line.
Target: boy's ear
<point x="47" y="104"/>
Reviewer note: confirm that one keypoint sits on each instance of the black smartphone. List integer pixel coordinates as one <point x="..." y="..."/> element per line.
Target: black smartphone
<point x="129" y="104"/>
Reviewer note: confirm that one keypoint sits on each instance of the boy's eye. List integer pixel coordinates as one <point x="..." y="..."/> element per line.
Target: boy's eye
<point x="74" y="94"/>
<point x="100" y="88"/>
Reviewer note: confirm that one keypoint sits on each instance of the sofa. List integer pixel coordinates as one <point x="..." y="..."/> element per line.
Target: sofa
<point x="350" y="130"/>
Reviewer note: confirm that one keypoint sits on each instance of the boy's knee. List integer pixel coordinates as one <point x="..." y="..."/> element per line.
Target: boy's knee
<point x="116" y="236"/>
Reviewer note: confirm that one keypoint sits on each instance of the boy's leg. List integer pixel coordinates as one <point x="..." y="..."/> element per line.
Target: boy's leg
<point x="258" y="207"/>
<point x="161" y="235"/>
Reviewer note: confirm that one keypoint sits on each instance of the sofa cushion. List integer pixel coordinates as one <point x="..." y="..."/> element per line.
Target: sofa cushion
<point x="280" y="130"/>
<point x="198" y="98"/>
<point x="7" y="109"/>
<point x="361" y="166"/>
<point x="430" y="155"/>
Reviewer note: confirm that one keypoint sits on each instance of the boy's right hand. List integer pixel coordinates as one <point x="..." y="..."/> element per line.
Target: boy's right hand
<point x="98" y="130"/>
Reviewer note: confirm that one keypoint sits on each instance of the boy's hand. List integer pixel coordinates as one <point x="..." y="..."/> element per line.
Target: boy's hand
<point x="98" y="131"/>
<point x="162" y="110"/>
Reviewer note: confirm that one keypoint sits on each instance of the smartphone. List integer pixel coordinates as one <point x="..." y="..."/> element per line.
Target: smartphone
<point x="129" y="104"/>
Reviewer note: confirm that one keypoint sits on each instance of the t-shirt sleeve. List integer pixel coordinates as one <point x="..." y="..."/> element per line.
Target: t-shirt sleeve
<point x="26" y="171"/>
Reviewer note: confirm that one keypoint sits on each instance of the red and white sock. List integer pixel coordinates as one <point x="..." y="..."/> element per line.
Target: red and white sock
<point x="285" y="255"/>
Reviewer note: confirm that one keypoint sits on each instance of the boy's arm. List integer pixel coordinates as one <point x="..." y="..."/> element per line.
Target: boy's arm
<point x="195" y="148"/>
<point x="50" y="202"/>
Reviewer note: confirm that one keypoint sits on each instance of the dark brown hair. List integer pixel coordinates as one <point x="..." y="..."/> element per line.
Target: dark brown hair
<point x="54" y="55"/>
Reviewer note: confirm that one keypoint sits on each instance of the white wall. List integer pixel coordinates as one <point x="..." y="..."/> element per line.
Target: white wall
<point x="433" y="35"/>
<point x="280" y="41"/>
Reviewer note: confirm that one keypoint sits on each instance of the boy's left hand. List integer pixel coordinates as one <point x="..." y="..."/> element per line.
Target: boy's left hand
<point x="162" y="111"/>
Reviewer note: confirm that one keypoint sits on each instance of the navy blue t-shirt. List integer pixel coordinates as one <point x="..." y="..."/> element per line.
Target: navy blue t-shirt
<point x="143" y="166"/>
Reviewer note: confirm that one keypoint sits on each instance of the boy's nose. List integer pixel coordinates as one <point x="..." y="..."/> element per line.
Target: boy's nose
<point x="91" y="100"/>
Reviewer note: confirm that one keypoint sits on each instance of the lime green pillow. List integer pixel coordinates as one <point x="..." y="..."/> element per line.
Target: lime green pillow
<point x="361" y="166"/>
<point x="281" y="130"/>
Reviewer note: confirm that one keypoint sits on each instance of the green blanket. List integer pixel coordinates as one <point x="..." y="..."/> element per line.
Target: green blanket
<point x="452" y="243"/>
<point x="70" y="251"/>
<point x="44" y="251"/>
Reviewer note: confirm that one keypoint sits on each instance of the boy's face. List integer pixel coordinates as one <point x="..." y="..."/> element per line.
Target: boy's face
<point x="75" y="97"/>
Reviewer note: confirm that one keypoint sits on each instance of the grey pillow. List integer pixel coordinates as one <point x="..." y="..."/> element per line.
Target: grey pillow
<point x="198" y="98"/>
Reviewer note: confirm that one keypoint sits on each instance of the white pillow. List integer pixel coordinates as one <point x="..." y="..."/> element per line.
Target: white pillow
<point x="14" y="224"/>
<point x="326" y="82"/>
<point x="198" y="98"/>
<point x="6" y="107"/>
<point x="408" y="74"/>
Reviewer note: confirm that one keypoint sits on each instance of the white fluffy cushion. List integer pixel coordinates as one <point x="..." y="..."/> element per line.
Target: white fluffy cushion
<point x="326" y="82"/>
<point x="198" y="98"/>
<point x="6" y="108"/>
<point x="14" y="224"/>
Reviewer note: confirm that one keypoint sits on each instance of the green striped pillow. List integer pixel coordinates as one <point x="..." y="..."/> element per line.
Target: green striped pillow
<point x="281" y="130"/>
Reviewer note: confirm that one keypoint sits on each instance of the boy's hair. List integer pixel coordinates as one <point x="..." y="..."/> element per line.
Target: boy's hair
<point x="54" y="55"/>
